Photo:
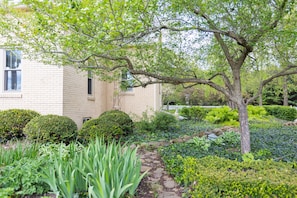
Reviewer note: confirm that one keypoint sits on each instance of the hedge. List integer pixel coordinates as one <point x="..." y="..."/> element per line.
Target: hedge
<point x="218" y="177"/>
<point x="282" y="112"/>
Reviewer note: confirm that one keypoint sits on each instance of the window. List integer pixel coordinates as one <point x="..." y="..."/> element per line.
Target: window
<point x="90" y="83"/>
<point x="127" y="82"/>
<point x="12" y="71"/>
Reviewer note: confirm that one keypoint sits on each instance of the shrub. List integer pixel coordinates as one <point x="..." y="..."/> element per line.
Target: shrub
<point x="282" y="112"/>
<point x="144" y="125"/>
<point x="185" y="112"/>
<point x="164" y="121"/>
<point x="219" y="177"/>
<point x="120" y="117"/>
<point x="13" y="121"/>
<point x="100" y="127"/>
<point x="193" y="113"/>
<point x="223" y="115"/>
<point x="257" y="113"/>
<point x="51" y="128"/>
<point x="229" y="117"/>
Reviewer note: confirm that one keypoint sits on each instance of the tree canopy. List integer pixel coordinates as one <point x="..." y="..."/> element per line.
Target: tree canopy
<point x="186" y="42"/>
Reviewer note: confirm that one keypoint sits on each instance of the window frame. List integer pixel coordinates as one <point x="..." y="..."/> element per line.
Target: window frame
<point x="90" y="83"/>
<point x="12" y="69"/>
<point x="127" y="81"/>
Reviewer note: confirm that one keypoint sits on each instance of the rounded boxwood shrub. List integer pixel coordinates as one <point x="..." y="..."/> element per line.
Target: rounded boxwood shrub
<point x="99" y="127"/>
<point x="51" y="128"/>
<point x="13" y="121"/>
<point x="120" y="117"/>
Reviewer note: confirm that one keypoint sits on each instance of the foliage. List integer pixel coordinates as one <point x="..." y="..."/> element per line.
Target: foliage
<point x="51" y="128"/>
<point x="257" y="113"/>
<point x="229" y="117"/>
<point x="198" y="95"/>
<point x="248" y="157"/>
<point x="185" y="112"/>
<point x="273" y="93"/>
<point x="6" y="192"/>
<point x="196" y="113"/>
<point x="164" y="122"/>
<point x="160" y="121"/>
<point x="100" y="128"/>
<point x="282" y="112"/>
<point x="19" y="151"/>
<point x="109" y="125"/>
<point x="144" y="125"/>
<point x="98" y="170"/>
<point x="218" y="177"/>
<point x="273" y="142"/>
<point x="201" y="142"/>
<point x="222" y="115"/>
<point x="276" y="142"/>
<point x="24" y="176"/>
<point x="229" y="138"/>
<point x="20" y="171"/>
<point x="184" y="127"/>
<point x="120" y="117"/>
<point x="111" y="36"/>
<point x="13" y="121"/>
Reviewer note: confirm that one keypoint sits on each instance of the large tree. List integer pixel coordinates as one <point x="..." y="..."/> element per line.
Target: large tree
<point x="175" y="41"/>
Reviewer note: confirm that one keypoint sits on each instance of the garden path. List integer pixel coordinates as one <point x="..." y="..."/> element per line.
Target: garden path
<point x="158" y="183"/>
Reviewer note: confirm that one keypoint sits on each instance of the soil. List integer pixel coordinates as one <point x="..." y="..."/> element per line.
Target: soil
<point x="145" y="190"/>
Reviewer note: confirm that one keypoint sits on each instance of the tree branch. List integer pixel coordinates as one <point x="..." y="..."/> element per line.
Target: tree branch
<point x="272" y="25"/>
<point x="227" y="81"/>
<point x="217" y="36"/>
<point x="285" y="72"/>
<point x="176" y="81"/>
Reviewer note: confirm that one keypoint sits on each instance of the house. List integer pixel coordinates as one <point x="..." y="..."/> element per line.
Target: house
<point x="66" y="91"/>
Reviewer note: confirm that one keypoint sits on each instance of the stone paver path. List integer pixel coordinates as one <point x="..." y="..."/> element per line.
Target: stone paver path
<point x="161" y="183"/>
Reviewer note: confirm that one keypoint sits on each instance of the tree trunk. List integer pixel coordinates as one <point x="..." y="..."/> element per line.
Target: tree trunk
<point x="285" y="92"/>
<point x="260" y="100"/>
<point x="232" y="104"/>
<point x="244" y="128"/>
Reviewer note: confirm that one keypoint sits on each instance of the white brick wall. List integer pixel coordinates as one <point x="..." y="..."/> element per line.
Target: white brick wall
<point x="41" y="88"/>
<point x="77" y="104"/>
<point x="50" y="89"/>
<point x="141" y="100"/>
